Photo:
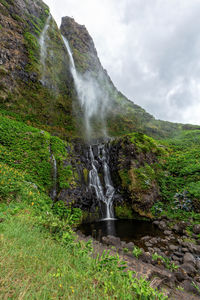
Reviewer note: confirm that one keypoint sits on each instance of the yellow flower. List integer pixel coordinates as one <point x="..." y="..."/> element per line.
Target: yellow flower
<point x="72" y="289"/>
<point x="32" y="203"/>
<point x="60" y="285"/>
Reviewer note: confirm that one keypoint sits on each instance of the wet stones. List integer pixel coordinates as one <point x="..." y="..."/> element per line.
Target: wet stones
<point x="196" y="229"/>
<point x="173" y="247"/>
<point x="111" y="240"/>
<point x="180" y="227"/>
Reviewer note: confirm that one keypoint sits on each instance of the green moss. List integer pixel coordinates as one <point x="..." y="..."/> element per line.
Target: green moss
<point x="33" y="49"/>
<point x="85" y="174"/>
<point x="26" y="149"/>
<point x="17" y="18"/>
<point x="123" y="212"/>
<point x="145" y="143"/>
<point x="3" y="71"/>
<point x="125" y="178"/>
<point x="5" y="3"/>
<point x="144" y="177"/>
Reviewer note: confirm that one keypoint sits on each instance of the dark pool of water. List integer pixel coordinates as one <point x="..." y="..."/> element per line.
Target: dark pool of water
<point x="126" y="230"/>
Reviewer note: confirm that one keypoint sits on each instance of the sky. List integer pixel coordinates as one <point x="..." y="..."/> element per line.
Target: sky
<point x="150" y="48"/>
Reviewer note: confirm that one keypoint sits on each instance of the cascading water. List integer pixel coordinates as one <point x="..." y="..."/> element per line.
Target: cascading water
<point x="54" y="189"/>
<point x="43" y="49"/>
<point x="94" y="102"/>
<point x="104" y="195"/>
<point x="53" y="193"/>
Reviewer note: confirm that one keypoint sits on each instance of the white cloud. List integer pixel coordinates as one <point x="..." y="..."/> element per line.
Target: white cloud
<point x="150" y="49"/>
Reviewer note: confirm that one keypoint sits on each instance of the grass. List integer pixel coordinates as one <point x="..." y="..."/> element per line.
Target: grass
<point x="36" y="266"/>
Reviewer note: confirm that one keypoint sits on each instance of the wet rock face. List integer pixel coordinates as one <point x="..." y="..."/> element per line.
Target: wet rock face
<point x="13" y="53"/>
<point x="81" y="195"/>
<point x="133" y="174"/>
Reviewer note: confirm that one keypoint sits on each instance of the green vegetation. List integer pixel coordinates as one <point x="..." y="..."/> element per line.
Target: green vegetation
<point x="5" y="3"/>
<point x="33" y="48"/>
<point x="40" y="256"/>
<point x="137" y="251"/>
<point x="49" y="261"/>
<point x="164" y="260"/>
<point x="45" y="268"/>
<point x="145" y="143"/>
<point x="27" y="150"/>
<point x="123" y="212"/>
<point x="179" y="178"/>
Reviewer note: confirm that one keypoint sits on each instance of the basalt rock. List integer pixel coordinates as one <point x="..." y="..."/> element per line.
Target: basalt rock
<point x="133" y="172"/>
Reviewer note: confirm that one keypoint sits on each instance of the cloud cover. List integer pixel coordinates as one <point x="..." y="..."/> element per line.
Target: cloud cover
<point x="150" y="49"/>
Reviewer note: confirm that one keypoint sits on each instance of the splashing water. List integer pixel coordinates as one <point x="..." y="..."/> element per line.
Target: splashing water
<point x="103" y="195"/>
<point x="43" y="50"/>
<point x="94" y="103"/>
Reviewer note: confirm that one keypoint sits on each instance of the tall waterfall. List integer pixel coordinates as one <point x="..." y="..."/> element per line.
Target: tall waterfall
<point x="104" y="195"/>
<point x="94" y="103"/>
<point x="53" y="193"/>
<point x="54" y="189"/>
<point x="91" y="96"/>
<point x="43" y="49"/>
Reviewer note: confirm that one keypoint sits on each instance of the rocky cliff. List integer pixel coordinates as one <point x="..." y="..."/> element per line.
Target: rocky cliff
<point x="52" y="104"/>
<point x="47" y="105"/>
<point x="122" y="115"/>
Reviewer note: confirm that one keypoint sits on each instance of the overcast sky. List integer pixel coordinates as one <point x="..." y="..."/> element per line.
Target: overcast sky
<point x="150" y="48"/>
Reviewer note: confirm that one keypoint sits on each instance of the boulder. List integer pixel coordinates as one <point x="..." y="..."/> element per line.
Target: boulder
<point x="198" y="265"/>
<point x="188" y="258"/>
<point x="189" y="269"/>
<point x="111" y="240"/>
<point x="167" y="232"/>
<point x="189" y="286"/>
<point x="181" y="275"/>
<point x="162" y="225"/>
<point x="130" y="246"/>
<point x="180" y="227"/>
<point x="173" y="247"/>
<point x="196" y="229"/>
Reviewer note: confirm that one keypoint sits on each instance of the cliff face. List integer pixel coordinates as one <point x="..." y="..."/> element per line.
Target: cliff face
<point x="134" y="165"/>
<point x="53" y="104"/>
<point x="84" y="51"/>
<point x="17" y="19"/>
<point x="122" y="115"/>
<point x="47" y="105"/>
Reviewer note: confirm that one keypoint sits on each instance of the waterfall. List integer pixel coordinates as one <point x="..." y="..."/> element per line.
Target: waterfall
<point x="54" y="190"/>
<point x="94" y="103"/>
<point x="43" y="49"/>
<point x="104" y="195"/>
<point x="90" y="94"/>
<point x="54" y="177"/>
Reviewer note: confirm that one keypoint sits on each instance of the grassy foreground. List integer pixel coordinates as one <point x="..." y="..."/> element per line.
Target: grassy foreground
<point x="38" y="262"/>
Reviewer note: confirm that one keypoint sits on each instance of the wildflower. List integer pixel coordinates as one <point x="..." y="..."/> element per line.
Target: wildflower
<point x="32" y="203"/>
<point x="60" y="285"/>
<point x="72" y="289"/>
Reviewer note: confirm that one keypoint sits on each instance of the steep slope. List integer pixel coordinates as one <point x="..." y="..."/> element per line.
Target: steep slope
<point x="122" y="116"/>
<point x="41" y="90"/>
<point x="47" y="105"/>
